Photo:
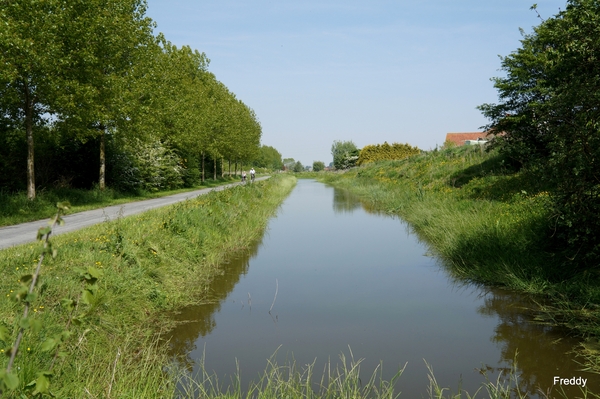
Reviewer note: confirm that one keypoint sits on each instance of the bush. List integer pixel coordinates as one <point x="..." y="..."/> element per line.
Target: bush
<point x="372" y="153"/>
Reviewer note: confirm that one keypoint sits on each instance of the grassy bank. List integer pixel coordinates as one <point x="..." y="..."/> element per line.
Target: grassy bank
<point x="15" y="208"/>
<point x="148" y="265"/>
<point x="487" y="222"/>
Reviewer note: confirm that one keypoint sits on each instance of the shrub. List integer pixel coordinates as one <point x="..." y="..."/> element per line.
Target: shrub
<point x="378" y="152"/>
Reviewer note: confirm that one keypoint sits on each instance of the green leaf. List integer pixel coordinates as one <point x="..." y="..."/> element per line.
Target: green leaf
<point x="26" y="278"/>
<point x="63" y="206"/>
<point x="95" y="273"/>
<point x="43" y="231"/>
<point x="24" y="323"/>
<point x="30" y="297"/>
<point x="11" y="381"/>
<point x="4" y="334"/>
<point x="35" y="325"/>
<point x="48" y="345"/>
<point x="42" y="383"/>
<point x="68" y="303"/>
<point x="87" y="297"/>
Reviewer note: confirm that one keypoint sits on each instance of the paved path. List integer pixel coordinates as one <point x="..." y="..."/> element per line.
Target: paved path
<point x="26" y="232"/>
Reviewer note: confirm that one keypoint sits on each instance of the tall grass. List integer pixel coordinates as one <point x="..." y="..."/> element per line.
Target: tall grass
<point x="152" y="264"/>
<point x="346" y="380"/>
<point x="341" y="380"/>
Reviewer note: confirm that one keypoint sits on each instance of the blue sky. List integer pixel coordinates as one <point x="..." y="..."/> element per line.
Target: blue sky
<point x="316" y="71"/>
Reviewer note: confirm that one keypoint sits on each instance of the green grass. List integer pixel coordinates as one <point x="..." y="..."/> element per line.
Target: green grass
<point x="153" y="264"/>
<point x="15" y="208"/>
<point x="488" y="223"/>
<point x="345" y="379"/>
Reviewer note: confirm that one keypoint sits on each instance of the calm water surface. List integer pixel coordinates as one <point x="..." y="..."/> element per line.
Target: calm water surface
<point x="349" y="278"/>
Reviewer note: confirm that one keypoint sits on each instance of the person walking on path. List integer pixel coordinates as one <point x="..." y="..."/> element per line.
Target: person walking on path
<point x="243" y="176"/>
<point x="252" y="175"/>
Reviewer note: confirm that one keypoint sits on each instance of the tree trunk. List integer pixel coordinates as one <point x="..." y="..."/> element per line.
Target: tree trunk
<point x="229" y="160"/>
<point x="202" y="166"/>
<point x="102" y="178"/>
<point x="30" y="151"/>
<point x="235" y="168"/>
<point x="215" y="169"/>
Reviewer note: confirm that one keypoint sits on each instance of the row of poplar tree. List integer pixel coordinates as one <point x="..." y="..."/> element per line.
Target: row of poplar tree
<point x="88" y="93"/>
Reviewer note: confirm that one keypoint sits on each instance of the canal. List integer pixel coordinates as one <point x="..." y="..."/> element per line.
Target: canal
<point x="331" y="277"/>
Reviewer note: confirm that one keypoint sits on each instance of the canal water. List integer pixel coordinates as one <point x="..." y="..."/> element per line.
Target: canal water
<point x="331" y="277"/>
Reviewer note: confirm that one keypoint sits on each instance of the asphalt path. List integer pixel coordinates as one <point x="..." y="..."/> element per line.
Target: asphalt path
<point x="26" y="232"/>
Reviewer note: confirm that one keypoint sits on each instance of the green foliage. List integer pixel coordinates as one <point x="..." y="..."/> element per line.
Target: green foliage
<point x="378" y="152"/>
<point x="345" y="154"/>
<point x="26" y="296"/>
<point x="268" y="157"/>
<point x="318" y="166"/>
<point x="88" y="75"/>
<point x="157" y="166"/>
<point x="298" y="167"/>
<point x="550" y="119"/>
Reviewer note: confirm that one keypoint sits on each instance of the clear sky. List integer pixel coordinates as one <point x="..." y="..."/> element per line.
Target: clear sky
<point x="315" y="71"/>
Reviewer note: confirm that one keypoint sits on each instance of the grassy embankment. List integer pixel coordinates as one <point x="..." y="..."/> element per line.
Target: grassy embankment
<point x="152" y="264"/>
<point x="15" y="208"/>
<point x="488" y="223"/>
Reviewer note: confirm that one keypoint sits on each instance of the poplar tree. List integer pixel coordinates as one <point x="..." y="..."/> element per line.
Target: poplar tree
<point x="31" y="56"/>
<point x="106" y="42"/>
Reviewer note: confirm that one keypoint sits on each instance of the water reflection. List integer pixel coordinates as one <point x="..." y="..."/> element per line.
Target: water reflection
<point x="543" y="350"/>
<point x="344" y="201"/>
<point x="199" y="320"/>
<point x="374" y="292"/>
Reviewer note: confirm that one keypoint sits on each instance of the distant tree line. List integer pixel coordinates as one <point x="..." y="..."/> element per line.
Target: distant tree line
<point x="548" y="119"/>
<point x="89" y="95"/>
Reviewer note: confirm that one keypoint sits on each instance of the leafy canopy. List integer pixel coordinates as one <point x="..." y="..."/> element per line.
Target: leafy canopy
<point x="548" y="117"/>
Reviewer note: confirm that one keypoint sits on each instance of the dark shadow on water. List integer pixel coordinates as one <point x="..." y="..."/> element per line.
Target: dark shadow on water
<point x="542" y="350"/>
<point x="198" y="321"/>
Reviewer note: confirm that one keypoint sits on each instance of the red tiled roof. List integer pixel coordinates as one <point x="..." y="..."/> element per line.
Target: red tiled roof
<point x="459" y="138"/>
